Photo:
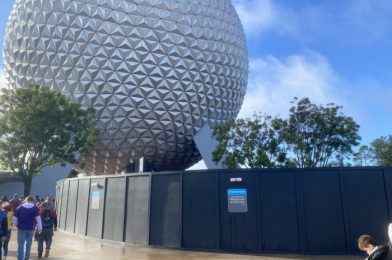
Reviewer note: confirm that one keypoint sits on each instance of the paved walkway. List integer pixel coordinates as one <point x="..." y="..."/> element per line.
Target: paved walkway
<point x="69" y="247"/>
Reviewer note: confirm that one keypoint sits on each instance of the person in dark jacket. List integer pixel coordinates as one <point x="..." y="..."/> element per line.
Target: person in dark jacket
<point x="49" y="224"/>
<point x="369" y="245"/>
<point x="3" y="231"/>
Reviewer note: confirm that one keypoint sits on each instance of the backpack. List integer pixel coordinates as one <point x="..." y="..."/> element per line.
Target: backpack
<point x="47" y="219"/>
<point x="3" y="221"/>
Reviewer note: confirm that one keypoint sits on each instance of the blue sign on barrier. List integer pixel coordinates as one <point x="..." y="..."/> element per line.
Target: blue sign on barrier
<point x="95" y="196"/>
<point x="237" y="200"/>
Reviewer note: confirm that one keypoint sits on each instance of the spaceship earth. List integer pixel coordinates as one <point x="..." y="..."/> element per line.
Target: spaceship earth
<point x="155" y="71"/>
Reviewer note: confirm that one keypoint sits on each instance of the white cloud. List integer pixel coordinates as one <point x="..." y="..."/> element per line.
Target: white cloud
<point x="258" y="16"/>
<point x="354" y="22"/>
<point x="273" y="83"/>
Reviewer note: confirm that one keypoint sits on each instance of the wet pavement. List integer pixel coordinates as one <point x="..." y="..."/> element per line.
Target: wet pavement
<point x="68" y="246"/>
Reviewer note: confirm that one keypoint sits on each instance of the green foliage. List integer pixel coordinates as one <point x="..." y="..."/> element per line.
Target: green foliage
<point x="318" y="136"/>
<point x="40" y="127"/>
<point x="312" y="136"/>
<point x="382" y="149"/>
<point x="378" y="153"/>
<point x="249" y="143"/>
<point x="364" y="156"/>
<point x="73" y="173"/>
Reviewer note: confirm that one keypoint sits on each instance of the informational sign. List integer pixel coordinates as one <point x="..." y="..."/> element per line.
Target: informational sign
<point x="95" y="197"/>
<point x="237" y="200"/>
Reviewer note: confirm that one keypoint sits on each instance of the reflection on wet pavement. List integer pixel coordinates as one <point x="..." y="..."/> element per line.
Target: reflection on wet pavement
<point x="68" y="246"/>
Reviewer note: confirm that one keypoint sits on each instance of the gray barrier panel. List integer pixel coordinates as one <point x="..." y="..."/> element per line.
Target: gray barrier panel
<point x="64" y="204"/>
<point x="71" y="207"/>
<point x="82" y="206"/>
<point x="96" y="206"/>
<point x="323" y="209"/>
<point x="201" y="211"/>
<point x="114" y="209"/>
<point x="365" y="204"/>
<point x="279" y="215"/>
<point x="58" y="196"/>
<point x="59" y="199"/>
<point x="138" y="208"/>
<point x="165" y="218"/>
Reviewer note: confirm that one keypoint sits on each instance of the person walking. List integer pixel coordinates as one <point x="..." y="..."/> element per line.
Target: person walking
<point x="26" y="217"/>
<point x="49" y="224"/>
<point x="7" y="213"/>
<point x="15" y="202"/>
<point x="3" y="231"/>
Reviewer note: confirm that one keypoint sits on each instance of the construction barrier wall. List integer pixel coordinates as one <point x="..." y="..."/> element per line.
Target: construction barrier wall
<point x="309" y="211"/>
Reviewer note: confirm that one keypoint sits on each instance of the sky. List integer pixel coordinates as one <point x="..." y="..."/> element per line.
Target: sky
<point x="336" y="51"/>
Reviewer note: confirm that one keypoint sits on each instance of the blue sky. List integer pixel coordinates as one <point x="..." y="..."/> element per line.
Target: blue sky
<point x="327" y="50"/>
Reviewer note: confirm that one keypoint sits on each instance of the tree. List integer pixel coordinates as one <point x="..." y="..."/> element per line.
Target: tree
<point x="312" y="136"/>
<point x="382" y="150"/>
<point x="317" y="135"/>
<point x="379" y="152"/>
<point x="364" y="156"/>
<point x="39" y="128"/>
<point x="248" y="143"/>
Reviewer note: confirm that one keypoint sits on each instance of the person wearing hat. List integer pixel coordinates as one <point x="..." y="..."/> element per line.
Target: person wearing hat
<point x="3" y="231"/>
<point x="7" y="212"/>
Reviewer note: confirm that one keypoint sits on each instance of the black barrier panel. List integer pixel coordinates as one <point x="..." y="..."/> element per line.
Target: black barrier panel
<point x="138" y="205"/>
<point x="323" y="209"/>
<point x="165" y="218"/>
<point x="96" y="206"/>
<point x="365" y="205"/>
<point x="64" y="205"/>
<point x="278" y="210"/>
<point x="388" y="187"/>
<point x="279" y="230"/>
<point x="82" y="206"/>
<point x="201" y="211"/>
<point x="114" y="209"/>
<point x="71" y="207"/>
<point x="239" y="230"/>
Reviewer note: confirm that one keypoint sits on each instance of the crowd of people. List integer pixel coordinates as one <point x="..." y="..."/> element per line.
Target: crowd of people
<point x="33" y="217"/>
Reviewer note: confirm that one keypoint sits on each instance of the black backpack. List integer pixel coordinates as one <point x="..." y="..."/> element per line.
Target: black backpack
<point x="47" y="219"/>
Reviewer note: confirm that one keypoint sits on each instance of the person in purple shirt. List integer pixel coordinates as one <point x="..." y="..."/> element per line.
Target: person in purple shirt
<point x="26" y="217"/>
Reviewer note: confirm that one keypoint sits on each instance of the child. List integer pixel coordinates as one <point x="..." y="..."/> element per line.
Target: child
<point x="7" y="212"/>
<point x="49" y="223"/>
<point x="3" y="230"/>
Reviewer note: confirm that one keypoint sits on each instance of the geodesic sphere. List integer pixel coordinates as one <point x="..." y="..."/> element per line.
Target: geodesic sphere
<point x="156" y="71"/>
